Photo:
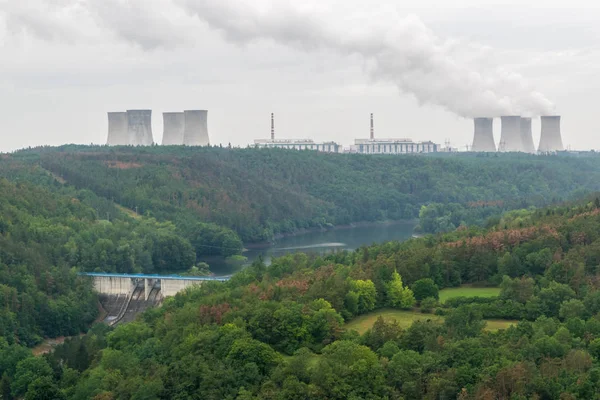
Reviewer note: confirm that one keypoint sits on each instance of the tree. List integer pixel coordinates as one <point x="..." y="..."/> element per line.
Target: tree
<point x="366" y="293"/>
<point x="465" y="321"/>
<point x="428" y="304"/>
<point x="424" y="288"/>
<point x="246" y="351"/>
<point x="572" y="309"/>
<point x="28" y="370"/>
<point x="399" y="296"/>
<point x="347" y="370"/>
<point x="44" y="389"/>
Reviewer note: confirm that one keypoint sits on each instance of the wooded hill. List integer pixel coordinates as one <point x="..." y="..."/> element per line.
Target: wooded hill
<point x="278" y="332"/>
<point x="258" y="193"/>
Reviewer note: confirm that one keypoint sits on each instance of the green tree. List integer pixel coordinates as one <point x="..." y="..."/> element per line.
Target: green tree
<point x="366" y="293"/>
<point x="28" y="370"/>
<point x="44" y="389"/>
<point x="428" y="304"/>
<point x="465" y="321"/>
<point x="424" y="288"/>
<point x="399" y="296"/>
<point x="572" y="309"/>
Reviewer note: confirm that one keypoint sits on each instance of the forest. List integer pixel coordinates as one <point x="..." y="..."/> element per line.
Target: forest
<point x="250" y="195"/>
<point x="279" y="331"/>
<point x="283" y="331"/>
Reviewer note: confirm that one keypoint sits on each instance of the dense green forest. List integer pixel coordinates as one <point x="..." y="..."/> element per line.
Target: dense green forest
<point x="259" y="193"/>
<point x="278" y="331"/>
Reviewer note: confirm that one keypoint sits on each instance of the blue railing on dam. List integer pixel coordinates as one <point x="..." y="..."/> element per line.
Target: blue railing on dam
<point x="156" y="276"/>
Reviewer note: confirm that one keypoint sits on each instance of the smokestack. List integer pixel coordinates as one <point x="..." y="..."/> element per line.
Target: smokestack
<point x="173" y="126"/>
<point x="196" y="128"/>
<point x="272" y="127"/>
<point x="372" y="128"/>
<point x="483" y="139"/>
<point x="511" y="134"/>
<point x="117" y="129"/>
<point x="550" y="138"/>
<point x="527" y="136"/>
<point x="139" y="127"/>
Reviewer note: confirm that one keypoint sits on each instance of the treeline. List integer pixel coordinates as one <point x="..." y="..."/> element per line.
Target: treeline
<point x="259" y="193"/>
<point x="46" y="237"/>
<point x="278" y="332"/>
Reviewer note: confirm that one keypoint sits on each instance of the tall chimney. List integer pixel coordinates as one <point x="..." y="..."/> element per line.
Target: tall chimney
<point x="550" y="138"/>
<point x="139" y="127"/>
<point x="372" y="128"/>
<point x="173" y="126"/>
<point x="272" y="127"/>
<point x="511" y="134"/>
<point x="483" y="139"/>
<point x="117" y="129"/>
<point x="196" y="128"/>
<point x="527" y="136"/>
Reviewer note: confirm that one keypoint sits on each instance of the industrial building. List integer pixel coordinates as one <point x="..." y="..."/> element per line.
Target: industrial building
<point x="173" y="128"/>
<point x="483" y="139"/>
<point x="195" y="132"/>
<point x="298" y="144"/>
<point x="517" y="135"/>
<point x="295" y="144"/>
<point x="391" y="146"/>
<point x="550" y="138"/>
<point x="134" y="128"/>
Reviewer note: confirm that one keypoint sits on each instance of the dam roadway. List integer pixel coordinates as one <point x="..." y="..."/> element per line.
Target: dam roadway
<point x="124" y="296"/>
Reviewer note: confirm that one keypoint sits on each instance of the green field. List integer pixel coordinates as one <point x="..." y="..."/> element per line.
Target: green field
<point x="467" y="291"/>
<point x="405" y="319"/>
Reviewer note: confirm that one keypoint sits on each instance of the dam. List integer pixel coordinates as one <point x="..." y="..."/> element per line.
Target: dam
<point x="123" y="296"/>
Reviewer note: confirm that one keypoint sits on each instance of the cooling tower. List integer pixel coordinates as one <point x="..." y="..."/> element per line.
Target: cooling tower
<point x="117" y="129"/>
<point x="511" y="134"/>
<point x="196" y="129"/>
<point x="139" y="127"/>
<point x="483" y="140"/>
<point x="527" y="136"/>
<point x="550" y="138"/>
<point x="173" y="127"/>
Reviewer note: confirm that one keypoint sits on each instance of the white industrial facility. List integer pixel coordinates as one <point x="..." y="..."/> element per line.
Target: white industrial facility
<point x="516" y="135"/>
<point x="134" y="128"/>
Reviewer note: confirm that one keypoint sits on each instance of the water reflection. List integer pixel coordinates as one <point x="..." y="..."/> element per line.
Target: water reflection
<point x="318" y="242"/>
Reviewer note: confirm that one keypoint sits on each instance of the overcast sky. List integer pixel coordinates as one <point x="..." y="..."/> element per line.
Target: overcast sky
<point x="421" y="66"/>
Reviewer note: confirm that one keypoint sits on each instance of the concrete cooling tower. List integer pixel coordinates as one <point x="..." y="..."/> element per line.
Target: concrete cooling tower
<point x="117" y="129"/>
<point x="139" y="127"/>
<point x="511" y="134"/>
<point x="173" y="128"/>
<point x="550" y="139"/>
<point x="483" y="140"/>
<point x="527" y="136"/>
<point x="196" y="128"/>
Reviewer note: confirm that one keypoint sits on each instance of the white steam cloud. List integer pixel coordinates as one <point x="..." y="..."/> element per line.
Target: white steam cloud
<point x="398" y="49"/>
<point x="401" y="50"/>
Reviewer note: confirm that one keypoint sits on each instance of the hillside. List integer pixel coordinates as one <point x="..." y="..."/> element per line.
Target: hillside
<point x="260" y="193"/>
<point x="279" y="332"/>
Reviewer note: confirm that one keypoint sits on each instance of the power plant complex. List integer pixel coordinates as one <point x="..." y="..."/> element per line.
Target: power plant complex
<point x="190" y="128"/>
<point x="516" y="135"/>
<point x="134" y="128"/>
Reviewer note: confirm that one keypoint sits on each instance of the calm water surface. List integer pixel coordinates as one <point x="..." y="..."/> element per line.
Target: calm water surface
<point x="321" y="243"/>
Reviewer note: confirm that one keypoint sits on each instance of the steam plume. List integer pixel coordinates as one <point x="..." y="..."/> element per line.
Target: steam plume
<point x="401" y="50"/>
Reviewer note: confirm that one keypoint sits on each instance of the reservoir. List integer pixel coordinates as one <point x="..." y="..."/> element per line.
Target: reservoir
<point x="320" y="242"/>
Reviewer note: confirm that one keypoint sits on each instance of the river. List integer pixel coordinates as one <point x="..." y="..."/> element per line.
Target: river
<point x="347" y="238"/>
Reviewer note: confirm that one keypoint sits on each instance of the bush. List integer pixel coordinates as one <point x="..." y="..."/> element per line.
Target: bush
<point x="428" y="304"/>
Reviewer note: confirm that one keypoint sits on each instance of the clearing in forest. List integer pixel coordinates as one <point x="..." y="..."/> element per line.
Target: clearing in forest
<point x="405" y="319"/>
<point x="468" y="291"/>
